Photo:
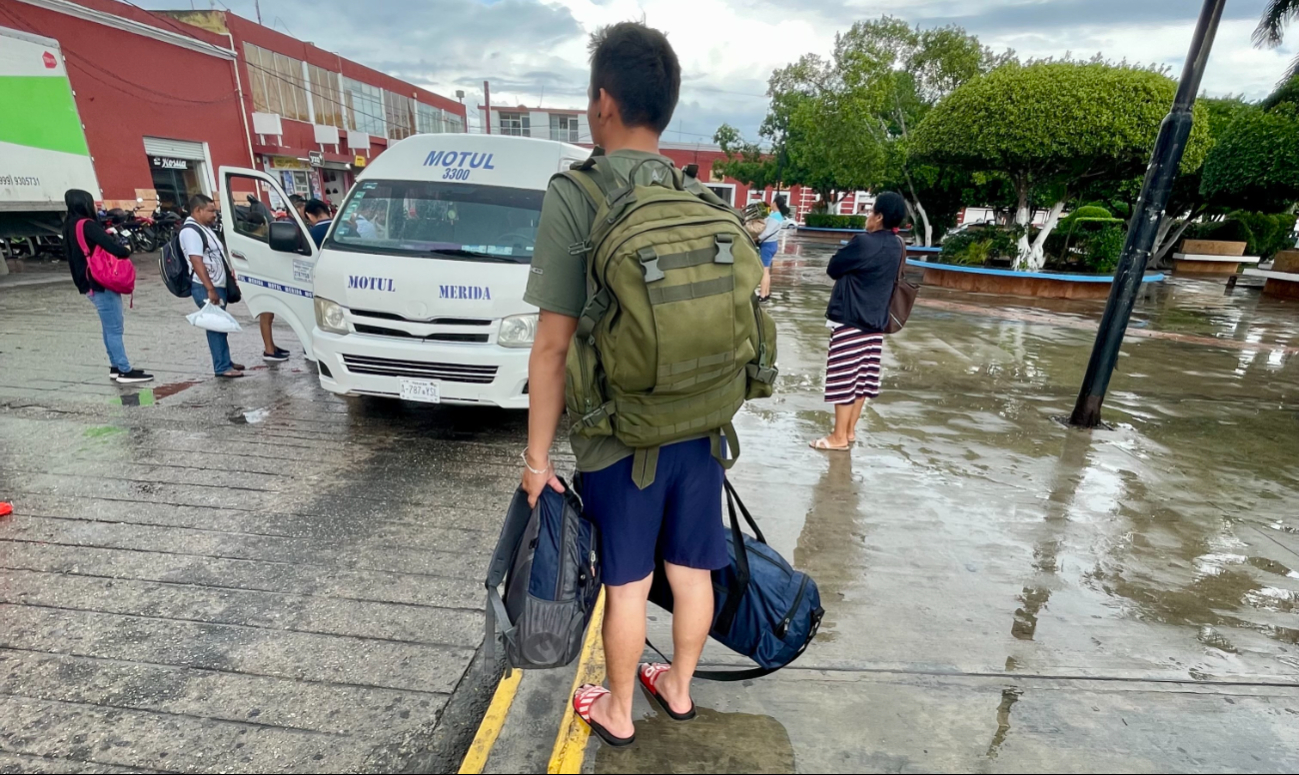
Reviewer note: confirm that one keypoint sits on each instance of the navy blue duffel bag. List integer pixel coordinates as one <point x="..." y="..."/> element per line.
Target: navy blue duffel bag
<point x="762" y="607"/>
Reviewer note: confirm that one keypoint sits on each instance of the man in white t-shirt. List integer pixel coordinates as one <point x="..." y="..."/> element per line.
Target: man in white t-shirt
<point x="208" y="277"/>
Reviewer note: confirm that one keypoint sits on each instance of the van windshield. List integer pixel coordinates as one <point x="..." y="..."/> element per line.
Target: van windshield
<point x="432" y="219"/>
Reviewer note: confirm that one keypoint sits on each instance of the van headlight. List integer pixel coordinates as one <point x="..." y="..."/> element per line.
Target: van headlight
<point x="329" y="316"/>
<point x="518" y="331"/>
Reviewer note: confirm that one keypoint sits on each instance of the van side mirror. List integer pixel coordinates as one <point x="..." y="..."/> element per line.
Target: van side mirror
<point x="286" y="237"/>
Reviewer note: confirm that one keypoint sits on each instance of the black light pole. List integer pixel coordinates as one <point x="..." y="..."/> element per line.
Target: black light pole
<point x="1145" y="222"/>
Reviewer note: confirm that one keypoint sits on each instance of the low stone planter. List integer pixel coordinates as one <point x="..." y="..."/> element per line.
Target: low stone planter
<point x="1211" y="257"/>
<point x="832" y="236"/>
<point x="1042" y="285"/>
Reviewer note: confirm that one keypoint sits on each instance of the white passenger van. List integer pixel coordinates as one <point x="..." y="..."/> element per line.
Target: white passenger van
<point x="417" y="290"/>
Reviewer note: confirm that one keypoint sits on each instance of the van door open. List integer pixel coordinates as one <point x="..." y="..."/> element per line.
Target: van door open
<point x="274" y="261"/>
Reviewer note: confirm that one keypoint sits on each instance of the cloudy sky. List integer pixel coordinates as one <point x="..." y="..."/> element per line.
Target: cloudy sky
<point x="535" y="50"/>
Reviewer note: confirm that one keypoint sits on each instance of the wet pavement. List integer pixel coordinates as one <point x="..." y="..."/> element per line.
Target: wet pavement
<point x="259" y="576"/>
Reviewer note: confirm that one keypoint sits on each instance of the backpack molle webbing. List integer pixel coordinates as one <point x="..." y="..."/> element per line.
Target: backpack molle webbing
<point x="670" y="343"/>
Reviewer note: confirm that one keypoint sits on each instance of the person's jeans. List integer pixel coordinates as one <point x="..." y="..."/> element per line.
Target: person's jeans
<point x="216" y="342"/>
<point x="109" y="307"/>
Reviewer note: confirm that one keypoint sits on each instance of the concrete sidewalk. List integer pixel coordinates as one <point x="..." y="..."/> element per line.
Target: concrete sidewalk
<point x="232" y="576"/>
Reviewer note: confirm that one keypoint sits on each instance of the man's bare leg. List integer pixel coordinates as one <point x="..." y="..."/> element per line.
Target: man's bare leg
<point x="624" y="642"/>
<point x="692" y="618"/>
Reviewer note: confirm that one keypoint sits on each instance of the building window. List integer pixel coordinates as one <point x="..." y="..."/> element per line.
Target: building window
<point x="276" y="83"/>
<point x="364" y="108"/>
<point x="516" y="124"/>
<point x="563" y="128"/>
<point x="429" y="119"/>
<point x="400" y="112"/>
<point x="325" y="95"/>
<point x="454" y="123"/>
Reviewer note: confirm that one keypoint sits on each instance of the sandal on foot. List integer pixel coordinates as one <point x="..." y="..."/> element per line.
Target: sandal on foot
<point x="649" y="675"/>
<point x="583" y="699"/>
<point x="824" y="444"/>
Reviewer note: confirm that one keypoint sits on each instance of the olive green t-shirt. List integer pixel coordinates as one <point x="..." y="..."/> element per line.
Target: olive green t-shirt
<point x="558" y="279"/>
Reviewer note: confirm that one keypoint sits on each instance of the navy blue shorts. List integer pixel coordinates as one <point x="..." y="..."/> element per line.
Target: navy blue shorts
<point x="678" y="517"/>
<point x="767" y="251"/>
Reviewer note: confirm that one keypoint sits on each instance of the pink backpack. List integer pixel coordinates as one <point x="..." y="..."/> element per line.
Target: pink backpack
<point x="115" y="274"/>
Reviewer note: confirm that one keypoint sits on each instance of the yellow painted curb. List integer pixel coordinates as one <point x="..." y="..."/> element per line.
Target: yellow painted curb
<point x="570" y="743"/>
<point x="493" y="721"/>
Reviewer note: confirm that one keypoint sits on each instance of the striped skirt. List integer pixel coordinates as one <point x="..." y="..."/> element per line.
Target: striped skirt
<point x="852" y="369"/>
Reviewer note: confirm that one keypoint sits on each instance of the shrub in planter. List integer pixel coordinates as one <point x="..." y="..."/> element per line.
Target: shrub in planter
<point x="832" y="221"/>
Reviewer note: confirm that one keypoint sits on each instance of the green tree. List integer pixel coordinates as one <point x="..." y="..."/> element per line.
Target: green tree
<point x="1271" y="26"/>
<point x="1255" y="166"/>
<point x="818" y="132"/>
<point x="1053" y="128"/>
<point x="910" y="69"/>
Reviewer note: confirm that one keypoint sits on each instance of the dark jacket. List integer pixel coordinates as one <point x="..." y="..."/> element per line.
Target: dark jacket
<point x="319" y="230"/>
<point x="95" y="235"/>
<point x="864" y="273"/>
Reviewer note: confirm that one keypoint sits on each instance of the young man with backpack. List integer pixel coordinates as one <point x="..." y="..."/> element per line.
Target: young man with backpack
<point x="651" y="365"/>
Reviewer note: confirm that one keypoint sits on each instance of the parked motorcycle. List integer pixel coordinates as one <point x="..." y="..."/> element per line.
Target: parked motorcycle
<point x="165" y="224"/>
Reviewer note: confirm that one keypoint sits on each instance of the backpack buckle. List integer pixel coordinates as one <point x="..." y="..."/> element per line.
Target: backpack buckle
<point x="649" y="261"/>
<point x="579" y="248"/>
<point x="724" y="244"/>
<point x="597" y="416"/>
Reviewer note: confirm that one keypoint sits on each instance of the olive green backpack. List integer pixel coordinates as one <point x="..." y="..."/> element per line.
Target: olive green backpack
<point x="671" y="342"/>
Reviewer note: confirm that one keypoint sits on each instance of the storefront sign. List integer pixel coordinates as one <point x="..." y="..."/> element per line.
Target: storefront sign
<point x="316" y="158"/>
<point x="288" y="163"/>
<point x="359" y="161"/>
<point x="165" y="163"/>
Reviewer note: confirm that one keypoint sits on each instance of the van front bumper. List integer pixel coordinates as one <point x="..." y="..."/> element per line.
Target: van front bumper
<point x="477" y="374"/>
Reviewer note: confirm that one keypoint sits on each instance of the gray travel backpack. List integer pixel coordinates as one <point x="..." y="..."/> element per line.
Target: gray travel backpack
<point x="548" y="559"/>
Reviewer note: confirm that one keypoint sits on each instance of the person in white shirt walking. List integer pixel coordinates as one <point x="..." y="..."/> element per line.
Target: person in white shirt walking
<point x="209" y="277"/>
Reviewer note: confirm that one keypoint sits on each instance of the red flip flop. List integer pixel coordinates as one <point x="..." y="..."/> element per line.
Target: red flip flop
<point x="649" y="674"/>
<point x="583" y="699"/>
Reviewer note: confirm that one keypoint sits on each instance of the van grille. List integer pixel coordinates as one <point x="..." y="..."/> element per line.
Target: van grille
<point x="397" y="332"/>
<point x="448" y="372"/>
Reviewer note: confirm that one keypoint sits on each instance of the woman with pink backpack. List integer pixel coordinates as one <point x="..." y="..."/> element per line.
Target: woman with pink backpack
<point x="83" y="238"/>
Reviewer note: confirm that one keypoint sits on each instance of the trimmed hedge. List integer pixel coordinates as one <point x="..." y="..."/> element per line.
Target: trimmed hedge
<point x="832" y="221"/>
<point x="1264" y="235"/>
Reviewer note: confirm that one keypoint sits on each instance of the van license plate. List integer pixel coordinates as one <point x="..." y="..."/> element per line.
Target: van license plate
<point x="421" y="390"/>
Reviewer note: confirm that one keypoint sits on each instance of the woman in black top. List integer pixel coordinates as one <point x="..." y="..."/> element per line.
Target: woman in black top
<point x="864" y="273"/>
<point x="81" y="207"/>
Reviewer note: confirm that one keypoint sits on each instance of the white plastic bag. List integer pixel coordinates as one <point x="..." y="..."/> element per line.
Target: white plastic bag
<point x="213" y="318"/>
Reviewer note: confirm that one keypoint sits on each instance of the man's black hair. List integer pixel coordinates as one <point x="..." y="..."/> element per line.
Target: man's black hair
<point x="297" y="199"/>
<point x="316" y="207"/>
<point x="199" y="201"/>
<point x="893" y="207"/>
<point x="636" y="65"/>
<point x="255" y="219"/>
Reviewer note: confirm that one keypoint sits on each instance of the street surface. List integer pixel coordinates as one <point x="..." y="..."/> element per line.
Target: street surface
<point x="258" y="576"/>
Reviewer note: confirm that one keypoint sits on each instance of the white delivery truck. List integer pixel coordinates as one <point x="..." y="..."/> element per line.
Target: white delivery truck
<point x="43" y="149"/>
<point x="417" y="290"/>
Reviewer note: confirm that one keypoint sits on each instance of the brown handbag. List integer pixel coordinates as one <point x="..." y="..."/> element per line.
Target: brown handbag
<point x="903" y="298"/>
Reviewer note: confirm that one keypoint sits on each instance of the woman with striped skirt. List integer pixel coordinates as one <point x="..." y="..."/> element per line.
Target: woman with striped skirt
<point x="864" y="272"/>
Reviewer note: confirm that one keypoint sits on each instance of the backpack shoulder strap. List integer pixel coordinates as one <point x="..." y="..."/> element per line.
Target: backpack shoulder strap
<point x="198" y="229"/>
<point x="516" y="523"/>
<point x="81" y="236"/>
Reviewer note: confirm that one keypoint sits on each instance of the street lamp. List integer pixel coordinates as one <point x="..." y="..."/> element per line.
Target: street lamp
<point x="1144" y="225"/>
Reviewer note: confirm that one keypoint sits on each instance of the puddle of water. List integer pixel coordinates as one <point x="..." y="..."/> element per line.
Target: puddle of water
<point x="141" y="398"/>
<point x="171" y="389"/>
<point x="712" y="742"/>
<point x="250" y="417"/>
<point x="1009" y="696"/>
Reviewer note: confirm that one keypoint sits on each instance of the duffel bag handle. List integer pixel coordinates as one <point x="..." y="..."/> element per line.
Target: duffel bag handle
<point x="740" y="585"/>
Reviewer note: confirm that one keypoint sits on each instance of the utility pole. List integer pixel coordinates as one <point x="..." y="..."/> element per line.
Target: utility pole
<point x="487" y="106"/>
<point x="257" y="5"/>
<point x="1144" y="226"/>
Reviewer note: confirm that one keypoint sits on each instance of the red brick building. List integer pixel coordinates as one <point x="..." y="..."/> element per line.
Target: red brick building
<point x="168" y="98"/>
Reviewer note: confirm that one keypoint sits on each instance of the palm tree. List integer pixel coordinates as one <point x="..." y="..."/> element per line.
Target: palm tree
<point x="1271" y="28"/>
